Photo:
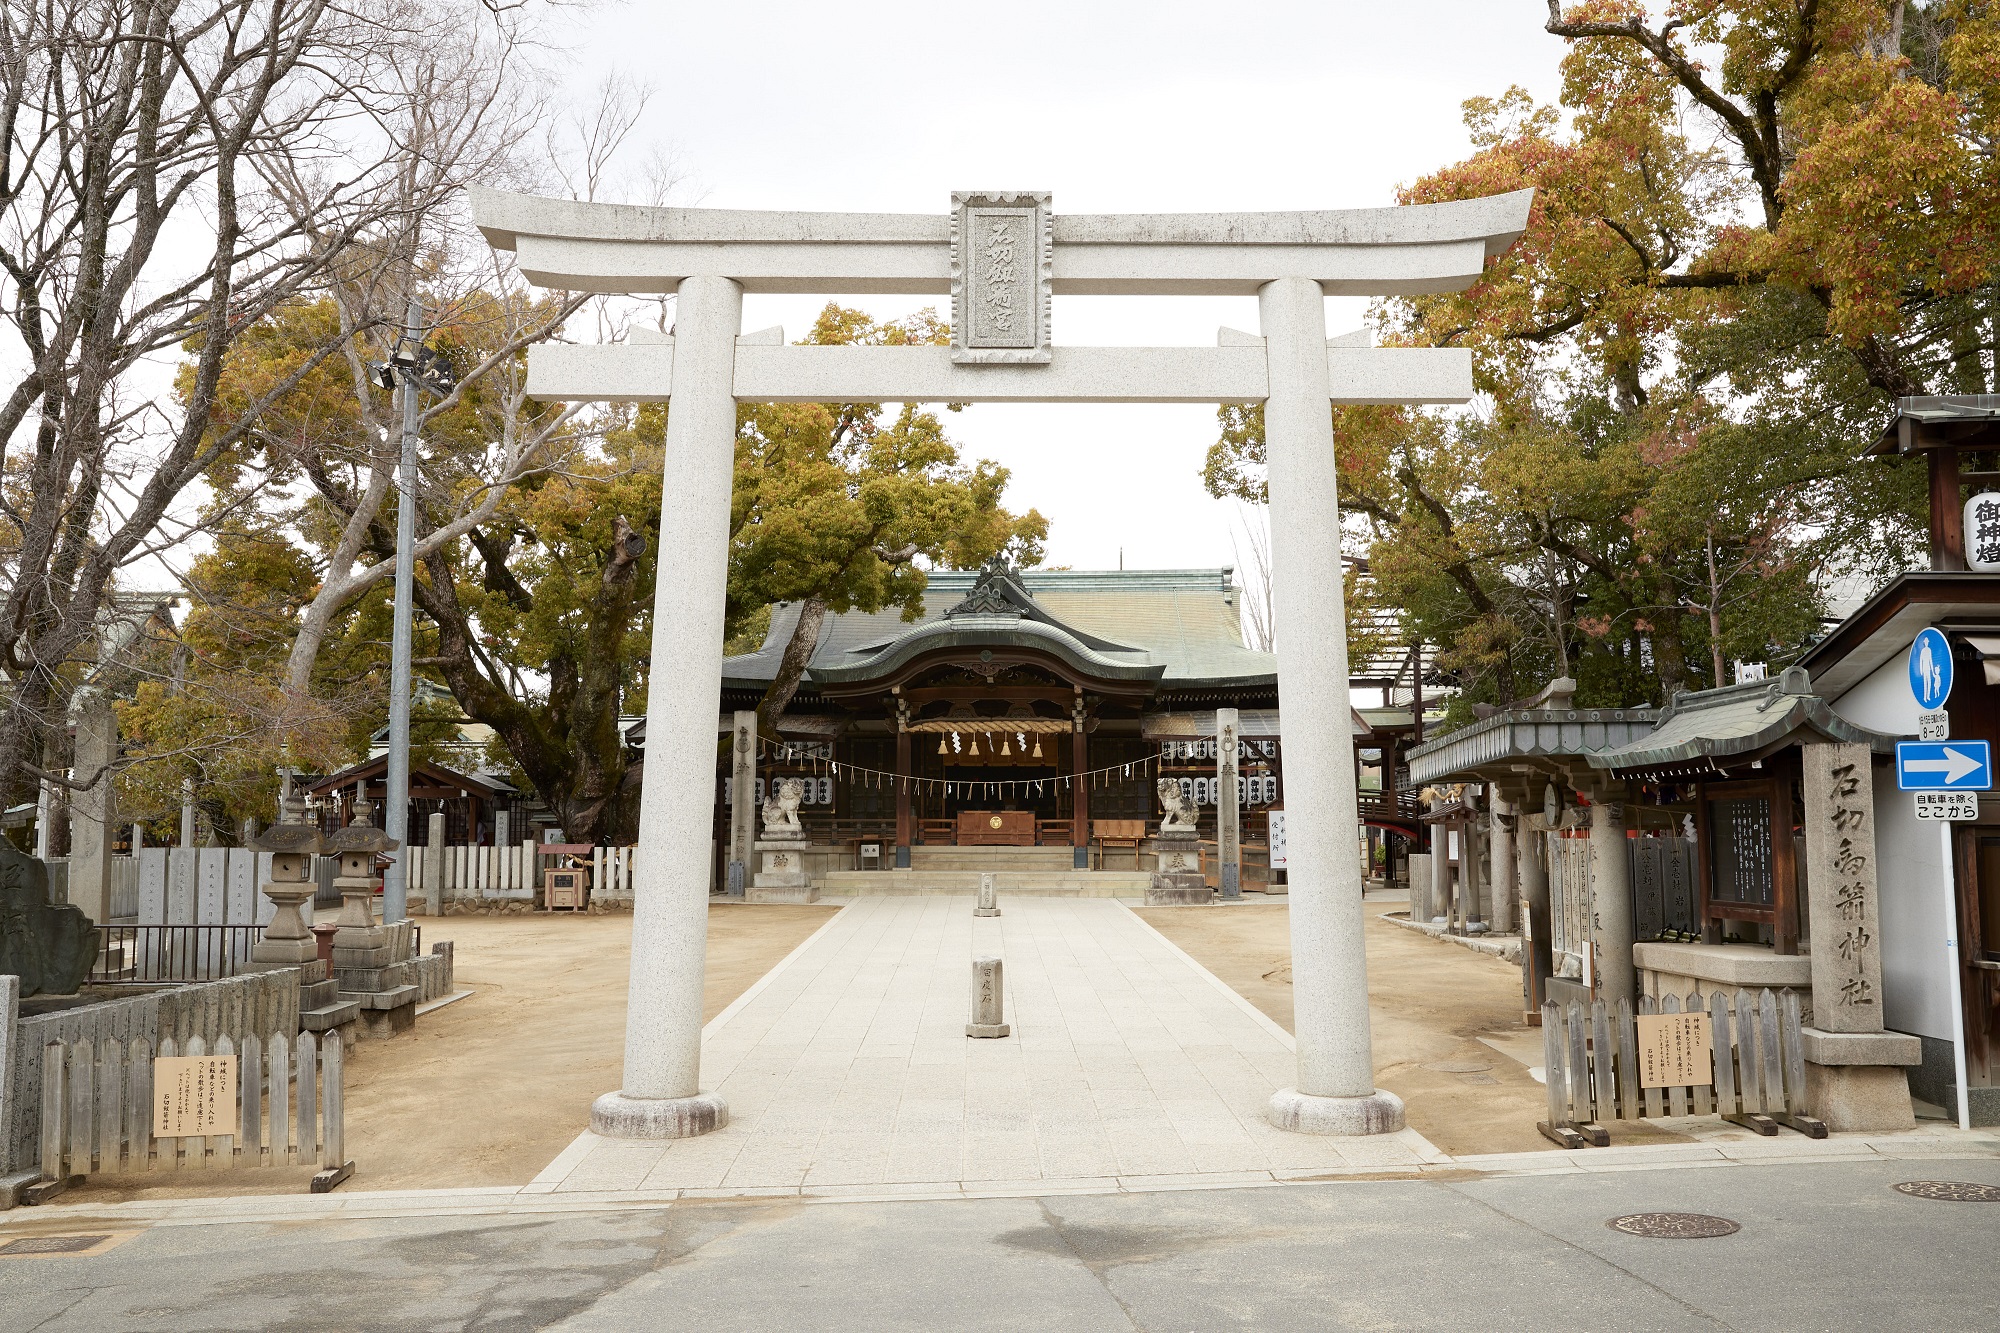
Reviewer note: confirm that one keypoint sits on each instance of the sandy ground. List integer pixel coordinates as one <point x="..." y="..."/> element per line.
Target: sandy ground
<point x="1430" y="1004"/>
<point x="488" y="1090"/>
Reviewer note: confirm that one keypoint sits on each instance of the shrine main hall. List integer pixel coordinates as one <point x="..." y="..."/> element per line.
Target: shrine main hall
<point x="1019" y="724"/>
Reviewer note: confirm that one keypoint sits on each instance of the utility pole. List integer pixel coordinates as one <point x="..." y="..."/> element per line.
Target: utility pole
<point x="396" y="809"/>
<point x="411" y="368"/>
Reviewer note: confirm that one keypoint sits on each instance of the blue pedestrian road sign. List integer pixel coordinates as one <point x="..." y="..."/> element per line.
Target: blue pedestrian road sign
<point x="1930" y="670"/>
<point x="1944" y="765"/>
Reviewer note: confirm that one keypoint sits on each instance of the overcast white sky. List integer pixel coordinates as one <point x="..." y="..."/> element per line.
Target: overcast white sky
<point x="1115" y="107"/>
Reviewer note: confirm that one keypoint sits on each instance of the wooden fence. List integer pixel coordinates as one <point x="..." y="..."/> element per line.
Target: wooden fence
<point x="1756" y="1071"/>
<point x="98" y="1110"/>
<point x="446" y="873"/>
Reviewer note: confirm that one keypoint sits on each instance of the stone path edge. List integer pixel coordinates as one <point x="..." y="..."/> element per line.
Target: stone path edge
<point x="512" y="1200"/>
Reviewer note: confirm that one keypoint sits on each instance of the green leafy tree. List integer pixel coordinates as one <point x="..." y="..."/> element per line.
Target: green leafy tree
<point x="834" y="508"/>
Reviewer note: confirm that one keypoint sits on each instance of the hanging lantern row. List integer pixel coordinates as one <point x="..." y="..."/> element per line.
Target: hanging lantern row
<point x="863" y="776"/>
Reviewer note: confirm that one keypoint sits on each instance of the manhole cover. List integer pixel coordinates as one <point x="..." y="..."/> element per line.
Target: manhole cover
<point x="1459" y="1066"/>
<point x="1952" y="1191"/>
<point x="51" y="1244"/>
<point x="1674" y="1226"/>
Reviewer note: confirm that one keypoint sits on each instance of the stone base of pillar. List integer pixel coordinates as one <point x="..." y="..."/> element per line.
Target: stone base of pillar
<point x="781" y="893"/>
<point x="994" y="911"/>
<point x="616" y="1116"/>
<point x="1379" y="1112"/>
<point x="1859" y="1098"/>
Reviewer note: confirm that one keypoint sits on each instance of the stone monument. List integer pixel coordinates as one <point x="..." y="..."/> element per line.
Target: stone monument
<point x="988" y="906"/>
<point x="1855" y="1068"/>
<point x="781" y="852"/>
<point x="1177" y="878"/>
<point x="50" y="946"/>
<point x="989" y="1016"/>
<point x="371" y="962"/>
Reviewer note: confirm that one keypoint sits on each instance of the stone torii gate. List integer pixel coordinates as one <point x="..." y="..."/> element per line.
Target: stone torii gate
<point x="1002" y="257"/>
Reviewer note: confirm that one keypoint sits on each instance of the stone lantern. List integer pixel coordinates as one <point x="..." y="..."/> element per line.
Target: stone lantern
<point x="292" y="843"/>
<point x="357" y="845"/>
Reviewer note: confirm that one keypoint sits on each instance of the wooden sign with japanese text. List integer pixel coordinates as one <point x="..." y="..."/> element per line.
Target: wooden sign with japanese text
<point x="1675" y="1051"/>
<point x="194" y="1095"/>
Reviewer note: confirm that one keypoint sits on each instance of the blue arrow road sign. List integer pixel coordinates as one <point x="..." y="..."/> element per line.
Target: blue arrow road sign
<point x="1944" y="765"/>
<point x="1930" y="670"/>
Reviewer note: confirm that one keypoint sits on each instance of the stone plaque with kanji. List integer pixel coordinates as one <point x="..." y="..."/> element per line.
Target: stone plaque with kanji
<point x="1002" y="257"/>
<point x="1840" y="889"/>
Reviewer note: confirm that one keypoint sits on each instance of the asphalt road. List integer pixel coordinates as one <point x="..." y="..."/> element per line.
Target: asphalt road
<point x="1822" y="1246"/>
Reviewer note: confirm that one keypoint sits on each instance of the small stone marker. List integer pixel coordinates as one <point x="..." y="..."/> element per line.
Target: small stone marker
<point x="987" y="1009"/>
<point x="987" y="906"/>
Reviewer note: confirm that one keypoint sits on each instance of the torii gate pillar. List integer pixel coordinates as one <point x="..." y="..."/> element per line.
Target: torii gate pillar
<point x="662" y="1096"/>
<point x="1336" y="1092"/>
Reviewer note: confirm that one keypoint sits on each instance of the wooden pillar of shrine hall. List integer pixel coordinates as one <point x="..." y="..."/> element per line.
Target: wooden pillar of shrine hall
<point x="904" y="832"/>
<point x="1079" y="753"/>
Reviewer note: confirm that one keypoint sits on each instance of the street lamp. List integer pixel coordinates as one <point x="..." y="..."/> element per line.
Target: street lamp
<point x="411" y="367"/>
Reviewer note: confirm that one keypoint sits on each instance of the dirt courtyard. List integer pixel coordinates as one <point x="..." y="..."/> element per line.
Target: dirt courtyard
<point x="1430" y="1003"/>
<point x="487" y="1090"/>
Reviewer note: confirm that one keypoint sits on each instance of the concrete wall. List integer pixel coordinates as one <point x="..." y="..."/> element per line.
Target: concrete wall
<point x="1914" y="865"/>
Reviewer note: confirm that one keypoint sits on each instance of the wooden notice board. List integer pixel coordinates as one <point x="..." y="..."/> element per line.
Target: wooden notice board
<point x="194" y="1094"/>
<point x="1675" y="1051"/>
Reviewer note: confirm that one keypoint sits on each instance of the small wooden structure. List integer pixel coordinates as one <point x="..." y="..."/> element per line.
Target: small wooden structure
<point x="566" y="885"/>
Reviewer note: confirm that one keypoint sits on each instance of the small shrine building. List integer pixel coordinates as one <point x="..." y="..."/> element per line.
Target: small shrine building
<point x="1020" y="709"/>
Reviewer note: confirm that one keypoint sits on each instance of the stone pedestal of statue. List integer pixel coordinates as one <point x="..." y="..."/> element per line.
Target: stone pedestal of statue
<point x="781" y="872"/>
<point x="1177" y="878"/>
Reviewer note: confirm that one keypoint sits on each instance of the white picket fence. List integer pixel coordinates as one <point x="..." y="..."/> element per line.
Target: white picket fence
<point x="612" y="871"/>
<point x="97" y="1110"/>
<point x="514" y="871"/>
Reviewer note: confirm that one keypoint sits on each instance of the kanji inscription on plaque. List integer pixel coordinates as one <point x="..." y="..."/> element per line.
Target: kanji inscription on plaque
<point x="1001" y="260"/>
<point x="1675" y="1050"/>
<point x="194" y="1094"/>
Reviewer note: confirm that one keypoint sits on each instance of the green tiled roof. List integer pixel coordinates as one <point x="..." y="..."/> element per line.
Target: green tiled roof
<point x="1178" y="626"/>
<point x="1705" y="731"/>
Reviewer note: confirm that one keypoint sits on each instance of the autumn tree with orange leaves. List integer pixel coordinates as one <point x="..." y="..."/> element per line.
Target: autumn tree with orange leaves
<point x="1757" y="222"/>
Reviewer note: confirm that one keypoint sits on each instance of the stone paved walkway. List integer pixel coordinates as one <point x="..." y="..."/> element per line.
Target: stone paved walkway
<point x="848" y="1066"/>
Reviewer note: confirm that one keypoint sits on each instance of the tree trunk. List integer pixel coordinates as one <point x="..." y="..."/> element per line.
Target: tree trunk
<point x="792" y="666"/>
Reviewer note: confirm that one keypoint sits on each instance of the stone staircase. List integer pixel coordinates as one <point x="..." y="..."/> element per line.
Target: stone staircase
<point x="1063" y="881"/>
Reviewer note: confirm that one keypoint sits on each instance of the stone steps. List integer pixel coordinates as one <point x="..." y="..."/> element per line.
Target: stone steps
<point x="904" y="883"/>
<point x="328" y="1017"/>
<point x="1047" y="859"/>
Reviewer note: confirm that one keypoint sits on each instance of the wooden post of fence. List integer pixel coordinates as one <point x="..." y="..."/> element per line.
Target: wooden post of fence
<point x="1555" y="1054"/>
<point x="308" y="1100"/>
<point x="336" y="1166"/>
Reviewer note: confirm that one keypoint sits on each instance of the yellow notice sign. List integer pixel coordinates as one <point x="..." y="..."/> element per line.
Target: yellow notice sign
<point x="194" y="1094"/>
<point x="1675" y="1051"/>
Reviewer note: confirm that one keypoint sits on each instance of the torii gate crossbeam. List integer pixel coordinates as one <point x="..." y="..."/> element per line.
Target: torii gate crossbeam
<point x="1001" y="257"/>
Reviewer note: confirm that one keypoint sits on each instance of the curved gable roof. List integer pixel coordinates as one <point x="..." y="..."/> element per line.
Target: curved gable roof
<point x="1177" y="627"/>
